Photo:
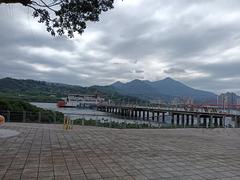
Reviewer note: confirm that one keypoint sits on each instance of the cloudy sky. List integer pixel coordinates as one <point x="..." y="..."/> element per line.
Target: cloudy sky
<point x="194" y="41"/>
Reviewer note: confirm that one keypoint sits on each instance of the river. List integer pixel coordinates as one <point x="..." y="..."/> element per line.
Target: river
<point x="76" y="113"/>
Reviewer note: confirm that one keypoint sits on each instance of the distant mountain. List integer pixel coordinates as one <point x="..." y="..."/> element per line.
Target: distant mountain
<point x="135" y="87"/>
<point x="41" y="91"/>
<point x="165" y="89"/>
<point x="132" y="91"/>
<point x="117" y="84"/>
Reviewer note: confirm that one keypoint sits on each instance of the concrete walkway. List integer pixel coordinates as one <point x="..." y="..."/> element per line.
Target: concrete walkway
<point x="48" y="152"/>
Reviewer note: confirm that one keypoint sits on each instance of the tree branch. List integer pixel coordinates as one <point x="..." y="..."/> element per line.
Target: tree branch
<point x="23" y="2"/>
<point x="43" y="5"/>
<point x="70" y="15"/>
<point x="55" y="4"/>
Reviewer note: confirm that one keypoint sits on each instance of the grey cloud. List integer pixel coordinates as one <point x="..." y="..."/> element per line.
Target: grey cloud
<point x="182" y="36"/>
<point x="139" y="71"/>
<point x="226" y="70"/>
<point x="174" y="71"/>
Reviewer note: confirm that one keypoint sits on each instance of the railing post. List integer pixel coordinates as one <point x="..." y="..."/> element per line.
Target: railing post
<point x="39" y="117"/>
<point x="110" y="122"/>
<point x="24" y="116"/>
<point x="54" y="117"/>
<point x="192" y="120"/>
<point x="224" y="121"/>
<point x="211" y="121"/>
<point x="8" y="116"/>
<point x="236" y="121"/>
<point x="172" y="120"/>
<point x="198" y="120"/>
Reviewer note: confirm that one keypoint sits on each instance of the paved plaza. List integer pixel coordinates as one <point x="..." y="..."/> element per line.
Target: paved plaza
<point x="42" y="151"/>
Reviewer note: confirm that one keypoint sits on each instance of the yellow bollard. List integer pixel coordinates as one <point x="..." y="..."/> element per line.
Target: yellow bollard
<point x="2" y="120"/>
<point x="67" y="123"/>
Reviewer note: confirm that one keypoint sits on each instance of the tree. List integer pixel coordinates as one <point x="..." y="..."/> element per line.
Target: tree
<point x="65" y="16"/>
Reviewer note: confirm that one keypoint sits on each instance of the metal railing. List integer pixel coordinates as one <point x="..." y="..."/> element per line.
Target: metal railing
<point x="88" y="119"/>
<point x="32" y="117"/>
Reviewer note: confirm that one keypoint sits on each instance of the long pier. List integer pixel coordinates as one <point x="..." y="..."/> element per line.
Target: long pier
<point x="179" y="117"/>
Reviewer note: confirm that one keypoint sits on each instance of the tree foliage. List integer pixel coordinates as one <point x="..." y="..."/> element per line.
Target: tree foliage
<point x="66" y="16"/>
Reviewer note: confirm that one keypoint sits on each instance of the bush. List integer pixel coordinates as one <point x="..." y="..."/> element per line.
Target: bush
<point x="17" y="108"/>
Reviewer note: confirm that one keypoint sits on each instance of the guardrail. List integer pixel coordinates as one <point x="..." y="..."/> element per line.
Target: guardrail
<point x="101" y="120"/>
<point x="32" y="117"/>
<point x="92" y="119"/>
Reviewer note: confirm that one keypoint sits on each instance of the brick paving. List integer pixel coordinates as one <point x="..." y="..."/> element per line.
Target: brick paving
<point x="48" y="152"/>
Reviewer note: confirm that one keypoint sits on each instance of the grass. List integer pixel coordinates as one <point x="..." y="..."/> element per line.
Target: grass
<point x="118" y="125"/>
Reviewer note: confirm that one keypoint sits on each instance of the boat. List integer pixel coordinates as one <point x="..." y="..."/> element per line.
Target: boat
<point x="80" y="101"/>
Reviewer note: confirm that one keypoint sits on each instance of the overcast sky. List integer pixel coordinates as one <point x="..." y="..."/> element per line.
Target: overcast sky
<point x="194" y="41"/>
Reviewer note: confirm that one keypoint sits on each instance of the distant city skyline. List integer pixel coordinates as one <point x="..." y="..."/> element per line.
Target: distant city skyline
<point x="194" y="42"/>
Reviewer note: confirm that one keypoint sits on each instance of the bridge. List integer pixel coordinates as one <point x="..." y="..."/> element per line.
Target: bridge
<point x="179" y="117"/>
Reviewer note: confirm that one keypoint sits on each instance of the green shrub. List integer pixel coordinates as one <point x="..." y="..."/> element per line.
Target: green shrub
<point x="17" y="107"/>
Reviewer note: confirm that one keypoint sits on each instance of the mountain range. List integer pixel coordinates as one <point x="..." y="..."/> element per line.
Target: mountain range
<point x="166" y="89"/>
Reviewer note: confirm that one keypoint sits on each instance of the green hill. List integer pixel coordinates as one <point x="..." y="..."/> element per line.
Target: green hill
<point x="41" y="91"/>
<point x="31" y="90"/>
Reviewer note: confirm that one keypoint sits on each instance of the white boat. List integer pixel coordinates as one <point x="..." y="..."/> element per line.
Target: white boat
<point x="80" y="101"/>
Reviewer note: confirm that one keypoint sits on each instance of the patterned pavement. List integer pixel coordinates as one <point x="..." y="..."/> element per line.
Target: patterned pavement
<point x="45" y="152"/>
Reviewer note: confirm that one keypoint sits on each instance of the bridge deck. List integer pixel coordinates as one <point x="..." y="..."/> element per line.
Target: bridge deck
<point x="171" y="110"/>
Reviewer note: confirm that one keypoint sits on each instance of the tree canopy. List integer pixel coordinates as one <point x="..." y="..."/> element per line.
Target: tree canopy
<point x="65" y="16"/>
